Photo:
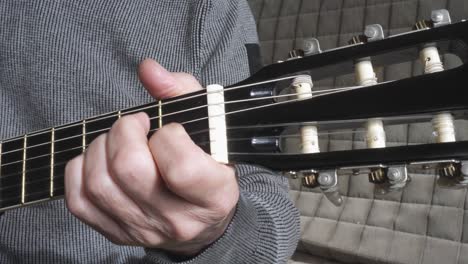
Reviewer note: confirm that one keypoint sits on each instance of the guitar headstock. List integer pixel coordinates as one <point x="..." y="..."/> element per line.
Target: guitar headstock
<point x="281" y="115"/>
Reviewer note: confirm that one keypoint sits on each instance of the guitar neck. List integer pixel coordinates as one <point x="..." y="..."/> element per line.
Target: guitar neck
<point x="32" y="166"/>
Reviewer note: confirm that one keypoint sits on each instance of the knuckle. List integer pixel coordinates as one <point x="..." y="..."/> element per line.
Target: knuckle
<point x="223" y="208"/>
<point x="190" y="78"/>
<point x="182" y="175"/>
<point x="182" y="233"/>
<point x="226" y="201"/>
<point x="129" y="166"/>
<point x="95" y="187"/>
<point x="76" y="207"/>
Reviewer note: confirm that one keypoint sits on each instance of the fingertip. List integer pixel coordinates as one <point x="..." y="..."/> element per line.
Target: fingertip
<point x="73" y="176"/>
<point x="144" y="120"/>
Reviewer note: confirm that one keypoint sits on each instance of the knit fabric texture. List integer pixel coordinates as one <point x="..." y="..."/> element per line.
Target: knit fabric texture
<point x="63" y="61"/>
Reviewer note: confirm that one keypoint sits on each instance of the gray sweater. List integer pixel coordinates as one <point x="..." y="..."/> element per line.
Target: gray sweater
<point x="62" y="61"/>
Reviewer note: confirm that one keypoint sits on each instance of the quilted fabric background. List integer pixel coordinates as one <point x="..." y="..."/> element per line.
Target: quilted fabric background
<point x="421" y="224"/>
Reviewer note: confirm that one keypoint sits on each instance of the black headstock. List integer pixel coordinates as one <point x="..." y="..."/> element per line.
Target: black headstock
<point x="267" y="107"/>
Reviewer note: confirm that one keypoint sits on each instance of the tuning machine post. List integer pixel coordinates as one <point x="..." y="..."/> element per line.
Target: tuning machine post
<point x="310" y="178"/>
<point x="295" y="54"/>
<point x="266" y="144"/>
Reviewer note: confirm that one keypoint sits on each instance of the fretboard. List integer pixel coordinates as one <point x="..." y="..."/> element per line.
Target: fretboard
<point x="32" y="166"/>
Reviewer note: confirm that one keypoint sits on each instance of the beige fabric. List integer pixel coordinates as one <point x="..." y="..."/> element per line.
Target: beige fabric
<point x="421" y="224"/>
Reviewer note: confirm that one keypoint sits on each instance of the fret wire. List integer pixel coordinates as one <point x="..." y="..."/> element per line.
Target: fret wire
<point x="160" y="114"/>
<point x="119" y="114"/>
<point x="1" y="155"/>
<point x="52" y="150"/>
<point x="23" y="173"/>
<point x="30" y="182"/>
<point x="83" y="140"/>
<point x="105" y="116"/>
<point x="36" y="169"/>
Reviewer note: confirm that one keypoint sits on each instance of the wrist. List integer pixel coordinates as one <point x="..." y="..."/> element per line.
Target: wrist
<point x="206" y="239"/>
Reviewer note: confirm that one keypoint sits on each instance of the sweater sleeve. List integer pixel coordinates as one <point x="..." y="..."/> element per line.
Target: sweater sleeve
<point x="264" y="229"/>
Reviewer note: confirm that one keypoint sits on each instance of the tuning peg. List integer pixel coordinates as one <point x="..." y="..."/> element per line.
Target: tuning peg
<point x="372" y="33"/>
<point x="311" y="46"/>
<point x="439" y="18"/>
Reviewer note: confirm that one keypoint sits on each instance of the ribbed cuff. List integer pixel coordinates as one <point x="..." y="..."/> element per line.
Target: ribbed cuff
<point x="238" y="242"/>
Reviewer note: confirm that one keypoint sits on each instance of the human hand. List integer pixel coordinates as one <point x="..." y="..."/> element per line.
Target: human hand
<point x="164" y="192"/>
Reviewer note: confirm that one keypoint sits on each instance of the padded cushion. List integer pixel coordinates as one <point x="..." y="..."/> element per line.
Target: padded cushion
<point x="421" y="224"/>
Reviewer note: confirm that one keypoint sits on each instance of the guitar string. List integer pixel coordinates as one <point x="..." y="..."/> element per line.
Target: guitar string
<point x="152" y="118"/>
<point x="79" y="125"/>
<point x="248" y="109"/>
<point x="234" y="139"/>
<point x="287" y="136"/>
<point x="354" y="131"/>
<point x="138" y="109"/>
<point x="343" y="131"/>
<point x="283" y="136"/>
<point x="31" y="194"/>
<point x="61" y="175"/>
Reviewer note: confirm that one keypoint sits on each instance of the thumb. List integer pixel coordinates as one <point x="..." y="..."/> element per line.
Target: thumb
<point x="162" y="84"/>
